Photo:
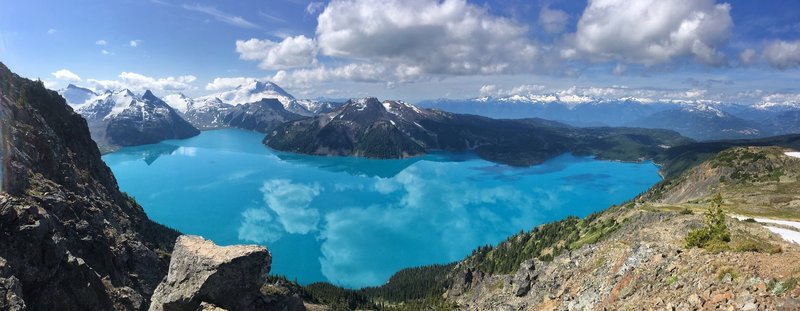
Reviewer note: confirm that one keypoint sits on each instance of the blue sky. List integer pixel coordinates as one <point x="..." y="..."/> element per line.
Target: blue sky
<point x="739" y="51"/>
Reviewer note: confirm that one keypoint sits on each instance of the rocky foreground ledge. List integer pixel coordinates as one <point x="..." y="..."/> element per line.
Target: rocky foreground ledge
<point x="204" y="276"/>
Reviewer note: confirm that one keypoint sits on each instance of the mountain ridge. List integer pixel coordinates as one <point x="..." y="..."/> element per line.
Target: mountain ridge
<point x="395" y="129"/>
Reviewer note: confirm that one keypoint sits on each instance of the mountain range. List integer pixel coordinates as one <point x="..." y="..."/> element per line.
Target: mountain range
<point x="70" y="240"/>
<point x="700" y="120"/>
<point x="395" y="129"/>
<point x="122" y="118"/>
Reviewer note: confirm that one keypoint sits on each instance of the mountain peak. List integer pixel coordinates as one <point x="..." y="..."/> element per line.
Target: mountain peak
<point x="148" y="95"/>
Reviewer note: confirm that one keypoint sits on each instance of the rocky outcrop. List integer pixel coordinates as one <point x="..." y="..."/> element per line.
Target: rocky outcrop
<point x="205" y="276"/>
<point x="69" y="239"/>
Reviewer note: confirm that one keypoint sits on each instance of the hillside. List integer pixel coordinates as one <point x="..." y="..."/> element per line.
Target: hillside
<point x="631" y="255"/>
<point x="701" y="122"/>
<point x="394" y="129"/>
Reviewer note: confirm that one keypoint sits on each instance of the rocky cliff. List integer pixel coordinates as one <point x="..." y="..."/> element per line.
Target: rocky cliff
<point x="69" y="239"/>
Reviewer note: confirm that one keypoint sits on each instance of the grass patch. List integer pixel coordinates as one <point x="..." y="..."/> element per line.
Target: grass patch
<point x="727" y="271"/>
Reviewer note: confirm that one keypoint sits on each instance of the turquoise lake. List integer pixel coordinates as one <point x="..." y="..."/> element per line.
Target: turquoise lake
<point x="354" y="221"/>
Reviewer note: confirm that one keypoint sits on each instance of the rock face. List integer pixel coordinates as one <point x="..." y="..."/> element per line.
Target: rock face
<point x="69" y="239"/>
<point x="261" y="116"/>
<point x="208" y="113"/>
<point x="206" y="276"/>
<point x="124" y="119"/>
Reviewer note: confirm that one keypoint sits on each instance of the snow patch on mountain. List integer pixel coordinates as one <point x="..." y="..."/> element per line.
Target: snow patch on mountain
<point x="256" y="91"/>
<point x="179" y="102"/>
<point x="76" y="96"/>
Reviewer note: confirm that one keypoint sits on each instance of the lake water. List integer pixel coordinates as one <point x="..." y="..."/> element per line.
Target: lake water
<point x="354" y="221"/>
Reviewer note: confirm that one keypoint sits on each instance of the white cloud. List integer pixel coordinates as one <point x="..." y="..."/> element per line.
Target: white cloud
<point x="290" y="202"/>
<point x="101" y="42"/>
<point x="292" y="52"/>
<point x="258" y="226"/>
<point x="139" y="82"/>
<point x="425" y="36"/>
<point x="134" y="43"/>
<point x="106" y="52"/>
<point x="64" y="74"/>
<point x="488" y="89"/>
<point x="524" y="89"/>
<point x="51" y="31"/>
<point x="782" y="54"/>
<point x="748" y="56"/>
<point x="224" y="17"/>
<point x="651" y="31"/>
<point x="228" y="83"/>
<point x="314" y="7"/>
<point x="619" y="69"/>
<point x="553" y="20"/>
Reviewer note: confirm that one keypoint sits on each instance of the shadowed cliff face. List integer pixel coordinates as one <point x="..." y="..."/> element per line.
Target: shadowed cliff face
<point x="69" y="239"/>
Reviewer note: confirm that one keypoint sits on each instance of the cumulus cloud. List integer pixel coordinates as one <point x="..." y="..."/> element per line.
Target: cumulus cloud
<point x="651" y="31"/>
<point x="64" y="74"/>
<point x="134" y="43"/>
<point x="51" y="31"/>
<point x="292" y="52"/>
<point x="228" y="83"/>
<point x="139" y="82"/>
<point x="553" y="20"/>
<point x="358" y="72"/>
<point x="290" y="202"/>
<point x="106" y="52"/>
<point x="101" y="42"/>
<point x="782" y="54"/>
<point x="425" y="36"/>
<point x="748" y="56"/>
<point x="488" y="89"/>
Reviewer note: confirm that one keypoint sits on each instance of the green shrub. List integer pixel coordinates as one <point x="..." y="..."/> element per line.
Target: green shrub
<point x="714" y="234"/>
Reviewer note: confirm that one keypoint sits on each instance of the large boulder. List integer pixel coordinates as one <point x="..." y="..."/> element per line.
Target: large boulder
<point x="202" y="273"/>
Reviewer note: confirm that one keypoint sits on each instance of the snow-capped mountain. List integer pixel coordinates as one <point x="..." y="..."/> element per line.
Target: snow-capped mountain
<point x="76" y="95"/>
<point x="179" y="102"/>
<point x="261" y="116"/>
<point x="702" y="122"/>
<point x="204" y="113"/>
<point x="122" y="118"/>
<point x="258" y="90"/>
<point x="318" y="106"/>
<point x="368" y="127"/>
